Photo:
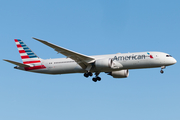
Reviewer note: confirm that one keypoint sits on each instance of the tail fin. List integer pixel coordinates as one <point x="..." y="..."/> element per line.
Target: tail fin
<point x="27" y="55"/>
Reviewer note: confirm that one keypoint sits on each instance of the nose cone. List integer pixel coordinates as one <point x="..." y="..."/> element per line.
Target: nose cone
<point x="174" y="61"/>
<point x="170" y="61"/>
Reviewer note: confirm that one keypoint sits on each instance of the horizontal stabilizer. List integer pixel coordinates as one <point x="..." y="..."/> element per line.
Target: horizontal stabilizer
<point x="16" y="63"/>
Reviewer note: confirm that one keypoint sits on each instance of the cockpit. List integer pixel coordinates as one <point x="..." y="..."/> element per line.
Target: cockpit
<point x="168" y="56"/>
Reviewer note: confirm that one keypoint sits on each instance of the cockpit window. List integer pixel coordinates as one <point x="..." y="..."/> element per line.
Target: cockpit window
<point x="168" y="56"/>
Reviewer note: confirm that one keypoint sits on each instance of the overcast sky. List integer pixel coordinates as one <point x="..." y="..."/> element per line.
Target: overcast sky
<point x="91" y="27"/>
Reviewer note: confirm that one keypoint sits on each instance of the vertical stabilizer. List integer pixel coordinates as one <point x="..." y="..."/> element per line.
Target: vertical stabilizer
<point x="27" y="55"/>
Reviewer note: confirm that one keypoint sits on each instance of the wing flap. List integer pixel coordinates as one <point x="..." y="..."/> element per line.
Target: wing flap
<point x="16" y="63"/>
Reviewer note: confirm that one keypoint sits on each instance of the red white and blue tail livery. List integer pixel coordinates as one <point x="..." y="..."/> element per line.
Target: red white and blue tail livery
<point x="116" y="65"/>
<point x="27" y="55"/>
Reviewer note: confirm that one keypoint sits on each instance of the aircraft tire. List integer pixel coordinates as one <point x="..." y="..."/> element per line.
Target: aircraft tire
<point x="98" y="78"/>
<point x="94" y="79"/>
<point x="161" y="71"/>
<point x="90" y="74"/>
<point x="86" y="75"/>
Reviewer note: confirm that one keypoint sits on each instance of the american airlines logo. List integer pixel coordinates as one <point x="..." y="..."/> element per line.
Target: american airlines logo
<point x="132" y="57"/>
<point x="150" y="55"/>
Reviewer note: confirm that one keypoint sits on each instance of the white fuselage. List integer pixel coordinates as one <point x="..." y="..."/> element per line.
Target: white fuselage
<point x="125" y="61"/>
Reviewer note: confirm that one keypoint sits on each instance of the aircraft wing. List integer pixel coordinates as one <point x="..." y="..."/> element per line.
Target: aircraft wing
<point x="83" y="60"/>
<point x="16" y="63"/>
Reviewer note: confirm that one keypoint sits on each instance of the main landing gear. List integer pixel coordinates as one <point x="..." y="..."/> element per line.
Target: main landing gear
<point x="88" y="74"/>
<point x="95" y="79"/>
<point x="162" y="67"/>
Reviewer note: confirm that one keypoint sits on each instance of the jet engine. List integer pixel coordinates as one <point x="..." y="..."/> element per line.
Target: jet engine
<point x="119" y="74"/>
<point x="103" y="63"/>
<point x="107" y="64"/>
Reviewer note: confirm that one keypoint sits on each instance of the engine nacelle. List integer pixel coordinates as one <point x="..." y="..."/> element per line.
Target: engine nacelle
<point x="103" y="63"/>
<point x="120" y="74"/>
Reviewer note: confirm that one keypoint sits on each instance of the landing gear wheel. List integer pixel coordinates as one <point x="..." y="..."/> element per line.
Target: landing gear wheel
<point x="94" y="79"/>
<point x="162" y="67"/>
<point x="90" y="74"/>
<point x="86" y="75"/>
<point x="98" y="78"/>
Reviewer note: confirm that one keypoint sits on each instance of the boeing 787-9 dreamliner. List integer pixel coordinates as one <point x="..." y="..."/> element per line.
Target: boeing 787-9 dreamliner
<point x="116" y="65"/>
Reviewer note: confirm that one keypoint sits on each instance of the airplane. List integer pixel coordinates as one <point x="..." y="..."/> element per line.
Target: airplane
<point x="116" y="65"/>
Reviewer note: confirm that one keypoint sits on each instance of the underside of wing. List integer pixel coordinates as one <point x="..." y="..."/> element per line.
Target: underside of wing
<point x="81" y="59"/>
<point x="16" y="63"/>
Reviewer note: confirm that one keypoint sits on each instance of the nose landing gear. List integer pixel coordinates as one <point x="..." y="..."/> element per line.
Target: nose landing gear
<point x="162" y="67"/>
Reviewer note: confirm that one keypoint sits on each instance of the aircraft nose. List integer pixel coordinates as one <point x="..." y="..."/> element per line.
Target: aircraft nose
<point x="170" y="61"/>
<point x="174" y="61"/>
